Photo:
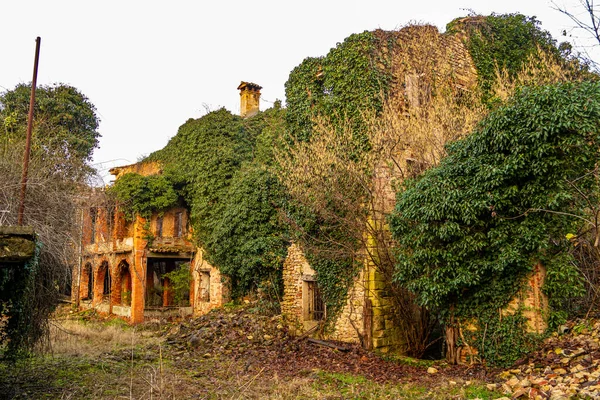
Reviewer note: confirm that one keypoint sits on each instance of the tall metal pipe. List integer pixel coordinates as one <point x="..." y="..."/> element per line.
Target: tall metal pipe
<point x="38" y="41"/>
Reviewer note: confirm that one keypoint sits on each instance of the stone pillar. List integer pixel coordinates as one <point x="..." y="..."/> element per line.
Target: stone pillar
<point x="138" y="271"/>
<point x="97" y="285"/>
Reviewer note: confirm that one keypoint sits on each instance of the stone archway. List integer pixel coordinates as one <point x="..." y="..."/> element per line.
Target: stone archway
<point x="122" y="285"/>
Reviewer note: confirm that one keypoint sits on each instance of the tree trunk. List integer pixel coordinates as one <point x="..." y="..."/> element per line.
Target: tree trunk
<point x="452" y="353"/>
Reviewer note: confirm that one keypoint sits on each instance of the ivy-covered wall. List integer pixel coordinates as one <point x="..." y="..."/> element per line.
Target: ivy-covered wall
<point x="20" y="326"/>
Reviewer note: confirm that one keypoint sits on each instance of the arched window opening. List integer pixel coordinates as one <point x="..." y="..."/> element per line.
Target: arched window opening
<point x="125" y="281"/>
<point x="103" y="276"/>
<point x="87" y="281"/>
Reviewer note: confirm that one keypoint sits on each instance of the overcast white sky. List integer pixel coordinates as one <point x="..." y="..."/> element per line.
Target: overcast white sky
<point x="148" y="66"/>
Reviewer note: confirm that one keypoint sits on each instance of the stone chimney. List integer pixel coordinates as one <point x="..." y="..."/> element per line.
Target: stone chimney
<point x="249" y="99"/>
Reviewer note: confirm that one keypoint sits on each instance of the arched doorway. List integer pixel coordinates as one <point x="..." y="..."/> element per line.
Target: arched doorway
<point x="103" y="278"/>
<point x="124" y="284"/>
<point x="87" y="282"/>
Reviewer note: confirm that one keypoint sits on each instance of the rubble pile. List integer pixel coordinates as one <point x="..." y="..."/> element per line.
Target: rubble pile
<point x="566" y="367"/>
<point x="261" y="343"/>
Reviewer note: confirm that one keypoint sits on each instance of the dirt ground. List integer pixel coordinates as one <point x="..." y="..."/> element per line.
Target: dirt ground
<point x="232" y="353"/>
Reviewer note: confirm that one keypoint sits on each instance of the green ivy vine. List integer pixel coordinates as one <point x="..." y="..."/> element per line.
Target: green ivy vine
<point x="502" y="42"/>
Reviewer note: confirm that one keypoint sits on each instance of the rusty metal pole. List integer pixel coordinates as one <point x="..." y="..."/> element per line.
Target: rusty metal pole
<point x="38" y="40"/>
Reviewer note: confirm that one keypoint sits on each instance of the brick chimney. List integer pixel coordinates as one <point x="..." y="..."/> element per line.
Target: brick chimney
<point x="249" y="99"/>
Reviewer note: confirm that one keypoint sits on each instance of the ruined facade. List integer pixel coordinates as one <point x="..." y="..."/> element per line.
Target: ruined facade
<point x="420" y="58"/>
<point x="123" y="263"/>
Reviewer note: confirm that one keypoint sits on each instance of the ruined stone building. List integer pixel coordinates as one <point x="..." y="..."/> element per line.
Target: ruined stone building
<point x="123" y="263"/>
<point x="423" y="57"/>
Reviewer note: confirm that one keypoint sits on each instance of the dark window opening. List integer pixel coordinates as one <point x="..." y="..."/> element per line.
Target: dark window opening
<point x="104" y="275"/>
<point x="90" y="282"/>
<point x="93" y="220"/>
<point x="316" y="306"/>
<point x="205" y="286"/>
<point x="418" y="89"/>
<point x="159" y="227"/>
<point x="162" y="291"/>
<point x="125" y="284"/>
<point x="106" y="286"/>
<point x="178" y="224"/>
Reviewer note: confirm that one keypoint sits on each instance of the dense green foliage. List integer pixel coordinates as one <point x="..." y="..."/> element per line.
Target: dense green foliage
<point x="143" y="195"/>
<point x="502" y="201"/>
<point x="218" y="163"/>
<point x="65" y="121"/>
<point x="348" y="81"/>
<point x="17" y="302"/>
<point x="504" y="340"/>
<point x="180" y="280"/>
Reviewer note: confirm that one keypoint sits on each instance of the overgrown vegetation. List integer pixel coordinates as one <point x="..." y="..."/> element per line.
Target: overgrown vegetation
<point x="502" y="201"/>
<point x="324" y="167"/>
<point x="503" y="43"/>
<point x="380" y="108"/>
<point x="94" y="358"/>
<point x="220" y="165"/>
<point x="64" y="136"/>
<point x="143" y="195"/>
<point x="344" y="84"/>
<point x="179" y="284"/>
<point x="20" y="325"/>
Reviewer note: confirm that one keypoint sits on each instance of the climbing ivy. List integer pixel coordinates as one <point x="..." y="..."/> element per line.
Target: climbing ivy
<point x="350" y="80"/>
<point x="24" y="327"/>
<point x="501" y="341"/>
<point x="143" y="195"/>
<point x="220" y="165"/>
<point x="502" y="42"/>
<point x="501" y="202"/>
<point x="341" y="88"/>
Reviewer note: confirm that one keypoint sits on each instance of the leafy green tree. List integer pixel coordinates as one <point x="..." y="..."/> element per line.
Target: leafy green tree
<point x="502" y="201"/>
<point x="65" y="121"/>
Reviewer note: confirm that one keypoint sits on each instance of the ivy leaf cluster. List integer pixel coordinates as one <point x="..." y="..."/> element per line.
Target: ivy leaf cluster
<point x="351" y="79"/>
<point x="143" y="195"/>
<point x="503" y="42"/>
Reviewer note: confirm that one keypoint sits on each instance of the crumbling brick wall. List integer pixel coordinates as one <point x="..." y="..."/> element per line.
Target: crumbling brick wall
<point x="123" y="248"/>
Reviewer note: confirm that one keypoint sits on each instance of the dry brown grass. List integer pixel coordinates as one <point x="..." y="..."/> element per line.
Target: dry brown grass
<point x="73" y="337"/>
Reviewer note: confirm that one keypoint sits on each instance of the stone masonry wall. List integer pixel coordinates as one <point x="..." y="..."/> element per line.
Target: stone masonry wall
<point x="349" y="326"/>
<point x="204" y="296"/>
<point x="294" y="267"/>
